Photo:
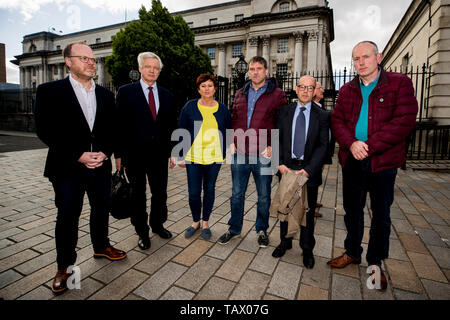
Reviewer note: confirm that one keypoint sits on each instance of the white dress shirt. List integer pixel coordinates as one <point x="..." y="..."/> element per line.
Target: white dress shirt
<point x="87" y="100"/>
<point x="155" y="93"/>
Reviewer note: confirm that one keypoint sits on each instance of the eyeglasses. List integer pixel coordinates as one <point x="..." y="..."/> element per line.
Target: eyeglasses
<point x="85" y="59"/>
<point x="303" y="88"/>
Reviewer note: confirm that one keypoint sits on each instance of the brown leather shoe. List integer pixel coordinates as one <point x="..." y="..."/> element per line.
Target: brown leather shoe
<point x="59" y="284"/>
<point x="111" y="253"/>
<point x="317" y="214"/>
<point x="383" y="280"/>
<point x="319" y="205"/>
<point x="343" y="261"/>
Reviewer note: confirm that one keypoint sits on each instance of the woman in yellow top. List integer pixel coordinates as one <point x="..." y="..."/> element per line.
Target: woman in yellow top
<point x="207" y="121"/>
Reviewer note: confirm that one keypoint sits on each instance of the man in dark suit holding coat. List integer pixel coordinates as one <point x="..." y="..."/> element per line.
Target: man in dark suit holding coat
<point x="75" y="119"/>
<point x="303" y="140"/>
<point x="147" y="116"/>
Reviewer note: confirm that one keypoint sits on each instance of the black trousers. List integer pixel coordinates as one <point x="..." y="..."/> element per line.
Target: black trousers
<point x="155" y="169"/>
<point x="69" y="195"/>
<point x="358" y="180"/>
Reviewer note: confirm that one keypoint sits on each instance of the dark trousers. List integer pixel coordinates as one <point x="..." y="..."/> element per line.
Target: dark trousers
<point x="69" y="195"/>
<point x="198" y="175"/>
<point x="307" y="240"/>
<point x="155" y="169"/>
<point x="358" y="179"/>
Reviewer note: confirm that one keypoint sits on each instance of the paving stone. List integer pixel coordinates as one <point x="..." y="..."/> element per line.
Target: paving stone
<point x="396" y="250"/>
<point x="199" y="273"/>
<point x="443" y="231"/>
<point x="113" y="270"/>
<point x="324" y="228"/>
<point x="159" y="282"/>
<point x="217" y="230"/>
<point x="121" y="287"/>
<point x="339" y="237"/>
<point x="40" y="293"/>
<point x="437" y="290"/>
<point x="311" y="293"/>
<point x="352" y="270"/>
<point x="285" y="280"/>
<point x="8" y="277"/>
<point x="271" y="297"/>
<point x="441" y="255"/>
<point x="431" y="237"/>
<point x="405" y="295"/>
<point x="236" y="264"/>
<point x="412" y="242"/>
<point x="403" y="276"/>
<point x="264" y="262"/>
<point x="175" y="293"/>
<point x="192" y="253"/>
<point x="323" y="247"/>
<point x="426" y="267"/>
<point x="319" y="276"/>
<point x="216" y="289"/>
<point x="251" y="287"/>
<point x="433" y="219"/>
<point x="345" y="288"/>
<point x="402" y="226"/>
<point x="250" y="243"/>
<point x="417" y="221"/>
<point x="15" y="248"/>
<point x="17" y="259"/>
<point x="37" y="263"/>
<point x="156" y="260"/>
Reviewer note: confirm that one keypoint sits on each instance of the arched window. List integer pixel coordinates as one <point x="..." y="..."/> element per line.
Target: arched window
<point x="285" y="7"/>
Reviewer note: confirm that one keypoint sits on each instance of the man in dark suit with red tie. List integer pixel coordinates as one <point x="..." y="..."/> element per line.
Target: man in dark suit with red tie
<point x="75" y="119"/>
<point x="146" y="120"/>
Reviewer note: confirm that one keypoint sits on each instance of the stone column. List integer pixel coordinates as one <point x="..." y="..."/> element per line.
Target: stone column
<point x="266" y="50"/>
<point x="252" y="48"/>
<point x="312" y="51"/>
<point x="61" y="70"/>
<point x="298" y="60"/>
<point x="101" y="71"/>
<point x="222" y="69"/>
<point x="27" y="83"/>
<point x="324" y="58"/>
<point x="319" y="51"/>
<point x="22" y="77"/>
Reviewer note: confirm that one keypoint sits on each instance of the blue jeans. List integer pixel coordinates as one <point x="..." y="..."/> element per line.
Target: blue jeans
<point x="240" y="173"/>
<point x="197" y="175"/>
<point x="358" y="179"/>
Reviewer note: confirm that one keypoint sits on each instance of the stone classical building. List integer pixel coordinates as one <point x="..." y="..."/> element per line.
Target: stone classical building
<point x="423" y="37"/>
<point x="293" y="36"/>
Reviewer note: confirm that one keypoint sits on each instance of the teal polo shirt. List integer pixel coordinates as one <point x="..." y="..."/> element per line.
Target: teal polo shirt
<point x="362" y="124"/>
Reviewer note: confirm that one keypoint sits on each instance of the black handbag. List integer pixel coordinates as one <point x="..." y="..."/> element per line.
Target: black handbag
<point x="121" y="194"/>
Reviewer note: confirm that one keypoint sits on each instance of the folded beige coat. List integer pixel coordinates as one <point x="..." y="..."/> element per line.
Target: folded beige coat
<point x="289" y="201"/>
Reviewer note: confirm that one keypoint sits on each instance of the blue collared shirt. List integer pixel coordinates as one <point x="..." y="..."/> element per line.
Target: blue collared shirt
<point x="253" y="96"/>
<point x="307" y="114"/>
<point x="155" y="93"/>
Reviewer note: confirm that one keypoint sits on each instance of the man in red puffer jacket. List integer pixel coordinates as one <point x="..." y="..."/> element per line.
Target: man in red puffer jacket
<point x="373" y="115"/>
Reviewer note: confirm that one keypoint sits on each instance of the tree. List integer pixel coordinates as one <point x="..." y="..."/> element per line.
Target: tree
<point x="171" y="39"/>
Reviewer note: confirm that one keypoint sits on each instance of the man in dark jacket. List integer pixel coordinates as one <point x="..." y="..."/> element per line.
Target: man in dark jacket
<point x="255" y="110"/>
<point x="75" y="119"/>
<point x="373" y="115"/>
<point x="304" y="131"/>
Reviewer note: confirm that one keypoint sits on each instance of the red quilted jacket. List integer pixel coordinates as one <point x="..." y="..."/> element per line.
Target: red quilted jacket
<point x="264" y="116"/>
<point x="392" y="115"/>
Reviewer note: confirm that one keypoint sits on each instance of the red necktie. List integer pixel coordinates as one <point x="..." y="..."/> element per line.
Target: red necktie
<point x="151" y="102"/>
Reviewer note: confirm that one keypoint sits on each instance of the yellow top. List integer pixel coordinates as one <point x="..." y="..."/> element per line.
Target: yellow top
<point x="206" y="148"/>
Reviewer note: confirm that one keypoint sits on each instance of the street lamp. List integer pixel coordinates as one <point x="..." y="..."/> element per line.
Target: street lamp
<point x="241" y="68"/>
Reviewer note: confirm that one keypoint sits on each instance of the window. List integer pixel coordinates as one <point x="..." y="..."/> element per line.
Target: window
<point x="283" y="45"/>
<point x="238" y="17"/>
<point x="212" y="53"/>
<point x="285" y="7"/>
<point x="98" y="40"/>
<point x="237" y="51"/>
<point x="55" y="70"/>
<point x="282" y="69"/>
<point x="190" y="24"/>
<point x="405" y="61"/>
<point x="212" y="21"/>
<point x="34" y="72"/>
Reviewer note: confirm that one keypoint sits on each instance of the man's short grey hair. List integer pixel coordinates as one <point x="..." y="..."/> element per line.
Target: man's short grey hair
<point x="374" y="45"/>
<point x="144" y="55"/>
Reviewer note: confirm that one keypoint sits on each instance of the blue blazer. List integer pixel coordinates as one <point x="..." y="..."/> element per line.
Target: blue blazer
<point x="190" y="114"/>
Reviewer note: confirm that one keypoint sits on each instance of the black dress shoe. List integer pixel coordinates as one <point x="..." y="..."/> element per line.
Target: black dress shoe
<point x="281" y="250"/>
<point x="163" y="233"/>
<point x="308" y="260"/>
<point x="144" y="243"/>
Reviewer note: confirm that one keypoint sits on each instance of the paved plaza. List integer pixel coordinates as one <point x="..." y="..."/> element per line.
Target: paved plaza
<point x="418" y="266"/>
